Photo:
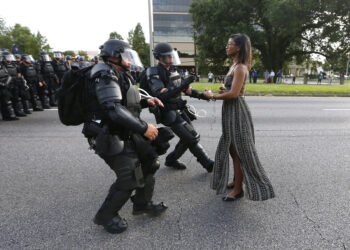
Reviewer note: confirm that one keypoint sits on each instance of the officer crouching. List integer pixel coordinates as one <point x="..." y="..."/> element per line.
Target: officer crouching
<point x="118" y="135"/>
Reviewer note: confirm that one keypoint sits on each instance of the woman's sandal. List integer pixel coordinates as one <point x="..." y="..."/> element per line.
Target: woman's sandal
<point x="233" y="198"/>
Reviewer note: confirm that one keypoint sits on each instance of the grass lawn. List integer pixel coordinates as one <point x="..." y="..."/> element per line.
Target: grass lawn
<point x="274" y="89"/>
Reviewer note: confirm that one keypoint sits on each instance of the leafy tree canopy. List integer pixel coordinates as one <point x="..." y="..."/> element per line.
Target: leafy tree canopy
<point x="280" y="30"/>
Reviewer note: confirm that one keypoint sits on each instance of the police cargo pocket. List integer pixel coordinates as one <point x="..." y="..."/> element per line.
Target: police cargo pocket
<point x="107" y="144"/>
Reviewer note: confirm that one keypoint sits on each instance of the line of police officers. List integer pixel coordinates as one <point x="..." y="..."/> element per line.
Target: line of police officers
<point x="26" y="83"/>
<point x="113" y="127"/>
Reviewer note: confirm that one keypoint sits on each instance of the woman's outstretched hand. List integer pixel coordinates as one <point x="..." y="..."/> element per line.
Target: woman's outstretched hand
<point x="222" y="90"/>
<point x="208" y="94"/>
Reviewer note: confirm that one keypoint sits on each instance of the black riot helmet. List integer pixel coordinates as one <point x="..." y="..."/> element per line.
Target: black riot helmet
<point x="113" y="48"/>
<point x="44" y="56"/>
<point x="120" y="49"/>
<point x="162" y="49"/>
<point x="165" y="49"/>
<point x="68" y="58"/>
<point x="27" y="58"/>
<point x="8" y="57"/>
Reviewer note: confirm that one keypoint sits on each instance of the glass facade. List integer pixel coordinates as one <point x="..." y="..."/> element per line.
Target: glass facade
<point x="171" y="5"/>
<point x="172" y="28"/>
<point x="172" y="23"/>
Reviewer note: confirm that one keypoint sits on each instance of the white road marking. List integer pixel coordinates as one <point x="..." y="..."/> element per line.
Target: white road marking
<point x="335" y="109"/>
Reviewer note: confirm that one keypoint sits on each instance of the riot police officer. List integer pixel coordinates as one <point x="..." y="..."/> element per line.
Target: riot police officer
<point x="18" y="59"/>
<point x="6" y="108"/>
<point x="16" y="86"/>
<point x="118" y="135"/>
<point x="60" y="66"/>
<point x="83" y="63"/>
<point x="30" y="74"/>
<point x="68" y="61"/>
<point x="165" y="83"/>
<point x="50" y="78"/>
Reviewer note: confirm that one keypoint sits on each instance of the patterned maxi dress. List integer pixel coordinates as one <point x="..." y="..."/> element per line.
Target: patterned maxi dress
<point x="238" y="129"/>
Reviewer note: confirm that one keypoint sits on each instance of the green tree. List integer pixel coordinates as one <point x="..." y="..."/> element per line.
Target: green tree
<point x="23" y="38"/>
<point x="69" y="53"/>
<point x="280" y="30"/>
<point x="130" y="36"/>
<point x="28" y="43"/>
<point x="84" y="54"/>
<point x="137" y="41"/>
<point x="5" y="39"/>
<point x="115" y="35"/>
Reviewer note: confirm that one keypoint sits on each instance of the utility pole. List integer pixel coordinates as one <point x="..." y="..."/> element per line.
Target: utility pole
<point x="150" y="16"/>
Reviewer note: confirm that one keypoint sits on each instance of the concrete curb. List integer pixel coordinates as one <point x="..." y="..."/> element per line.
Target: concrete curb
<point x="301" y="95"/>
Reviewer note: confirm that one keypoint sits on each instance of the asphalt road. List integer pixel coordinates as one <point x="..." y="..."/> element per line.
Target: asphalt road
<point x="52" y="185"/>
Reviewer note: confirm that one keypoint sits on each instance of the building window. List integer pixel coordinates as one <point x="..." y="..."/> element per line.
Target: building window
<point x="173" y="28"/>
<point x="171" y="5"/>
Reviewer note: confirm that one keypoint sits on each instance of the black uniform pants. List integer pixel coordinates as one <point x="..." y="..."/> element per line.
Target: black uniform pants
<point x="189" y="139"/>
<point x="129" y="174"/>
<point x="43" y="95"/>
<point x="52" y="89"/>
<point x="15" y="91"/>
<point x="33" y="94"/>
<point x="5" y="103"/>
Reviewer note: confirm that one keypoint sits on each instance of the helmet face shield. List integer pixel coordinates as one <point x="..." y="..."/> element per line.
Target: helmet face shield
<point x="46" y="58"/>
<point x="131" y="57"/>
<point x="9" y="58"/>
<point x="31" y="58"/>
<point x="57" y="55"/>
<point x="175" y="59"/>
<point x="27" y="58"/>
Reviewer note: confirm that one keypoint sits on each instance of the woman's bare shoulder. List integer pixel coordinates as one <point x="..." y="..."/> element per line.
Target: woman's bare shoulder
<point x="240" y="68"/>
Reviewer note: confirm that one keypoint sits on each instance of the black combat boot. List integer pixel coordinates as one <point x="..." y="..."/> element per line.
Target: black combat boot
<point x="149" y="208"/>
<point x="8" y="114"/>
<point x="116" y="225"/>
<point x="176" y="165"/>
<point x="202" y="157"/>
<point x="18" y="108"/>
<point x="25" y="104"/>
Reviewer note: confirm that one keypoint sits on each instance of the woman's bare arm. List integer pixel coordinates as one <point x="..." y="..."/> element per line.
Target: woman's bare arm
<point x="239" y="73"/>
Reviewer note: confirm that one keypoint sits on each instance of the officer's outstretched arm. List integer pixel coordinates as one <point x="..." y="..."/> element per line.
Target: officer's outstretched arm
<point x="197" y="94"/>
<point x="109" y="96"/>
<point x="157" y="88"/>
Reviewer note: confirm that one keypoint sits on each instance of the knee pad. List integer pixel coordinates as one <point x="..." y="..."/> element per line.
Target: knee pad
<point x="150" y="167"/>
<point x="186" y="132"/>
<point x="129" y="173"/>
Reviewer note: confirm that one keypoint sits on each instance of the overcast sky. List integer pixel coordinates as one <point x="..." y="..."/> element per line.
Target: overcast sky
<point x="77" y="24"/>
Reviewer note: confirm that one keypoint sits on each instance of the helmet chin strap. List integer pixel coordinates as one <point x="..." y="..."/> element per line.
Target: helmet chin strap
<point x="119" y="64"/>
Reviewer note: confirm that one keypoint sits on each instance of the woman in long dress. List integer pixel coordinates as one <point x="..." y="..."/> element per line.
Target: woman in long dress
<point x="237" y="137"/>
